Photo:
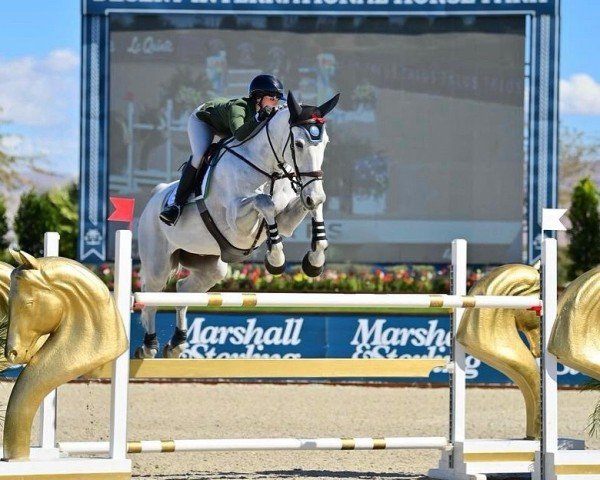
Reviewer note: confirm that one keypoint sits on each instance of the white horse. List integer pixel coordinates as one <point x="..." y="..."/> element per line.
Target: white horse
<point x="255" y="190"/>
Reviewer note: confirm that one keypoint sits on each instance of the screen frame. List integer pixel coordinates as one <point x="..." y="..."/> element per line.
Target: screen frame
<point x="540" y="74"/>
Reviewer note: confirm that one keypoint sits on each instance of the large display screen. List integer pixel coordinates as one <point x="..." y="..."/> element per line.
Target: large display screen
<point x="426" y="142"/>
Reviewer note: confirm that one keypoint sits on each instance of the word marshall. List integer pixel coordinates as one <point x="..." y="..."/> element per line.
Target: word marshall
<point x="249" y="340"/>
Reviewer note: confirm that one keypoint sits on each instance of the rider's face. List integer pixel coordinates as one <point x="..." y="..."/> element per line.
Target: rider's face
<point x="268" y="100"/>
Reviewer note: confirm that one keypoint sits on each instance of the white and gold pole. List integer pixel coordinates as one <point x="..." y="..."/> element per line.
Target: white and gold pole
<point x="120" y="369"/>
<point x="457" y="408"/>
<point x="341" y="300"/>
<point x="239" y="444"/>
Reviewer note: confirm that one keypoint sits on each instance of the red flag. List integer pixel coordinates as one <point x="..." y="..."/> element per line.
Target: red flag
<point x="123" y="210"/>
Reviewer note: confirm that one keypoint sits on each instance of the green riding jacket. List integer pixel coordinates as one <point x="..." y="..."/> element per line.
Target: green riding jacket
<point x="235" y="117"/>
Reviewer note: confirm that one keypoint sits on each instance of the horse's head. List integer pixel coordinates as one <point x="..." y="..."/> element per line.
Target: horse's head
<point x="513" y="280"/>
<point x="61" y="299"/>
<point x="492" y="334"/>
<point x="34" y="309"/>
<point x="574" y="337"/>
<point x="522" y="281"/>
<point x="307" y="142"/>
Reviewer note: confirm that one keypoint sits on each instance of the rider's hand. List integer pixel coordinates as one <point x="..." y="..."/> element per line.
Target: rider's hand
<point x="265" y="112"/>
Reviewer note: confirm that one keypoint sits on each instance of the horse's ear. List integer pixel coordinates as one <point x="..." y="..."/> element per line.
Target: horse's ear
<point x="294" y="107"/>
<point x="23" y="258"/>
<point x="329" y="105"/>
<point x="15" y="255"/>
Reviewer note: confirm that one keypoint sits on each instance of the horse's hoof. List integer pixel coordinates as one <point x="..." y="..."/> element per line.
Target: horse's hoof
<point x="145" y="352"/>
<point x="173" y="352"/>
<point x="272" y="269"/>
<point x="309" y="269"/>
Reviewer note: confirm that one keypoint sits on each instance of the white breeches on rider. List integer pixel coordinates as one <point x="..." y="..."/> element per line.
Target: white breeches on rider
<point x="201" y="136"/>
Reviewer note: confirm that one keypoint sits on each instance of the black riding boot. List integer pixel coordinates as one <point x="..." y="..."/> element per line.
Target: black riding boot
<point x="171" y="213"/>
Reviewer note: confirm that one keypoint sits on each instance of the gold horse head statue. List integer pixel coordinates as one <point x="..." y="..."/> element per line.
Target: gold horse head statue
<point x="575" y="337"/>
<point x="492" y="335"/>
<point x="61" y="299"/>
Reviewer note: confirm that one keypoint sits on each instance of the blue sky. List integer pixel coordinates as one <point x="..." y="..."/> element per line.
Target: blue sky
<point x="39" y="74"/>
<point x="580" y="38"/>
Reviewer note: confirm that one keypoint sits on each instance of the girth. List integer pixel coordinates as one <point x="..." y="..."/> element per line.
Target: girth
<point x="229" y="252"/>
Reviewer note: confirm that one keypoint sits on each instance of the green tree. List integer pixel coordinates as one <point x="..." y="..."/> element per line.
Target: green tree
<point x="3" y="224"/>
<point x="578" y="156"/>
<point x="34" y="217"/>
<point x="584" y="246"/>
<point x="66" y="218"/>
<point x="53" y="211"/>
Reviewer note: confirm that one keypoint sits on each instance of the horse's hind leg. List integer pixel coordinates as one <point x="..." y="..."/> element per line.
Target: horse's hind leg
<point x="176" y="345"/>
<point x="156" y="267"/>
<point x="149" y="348"/>
<point x="205" y="272"/>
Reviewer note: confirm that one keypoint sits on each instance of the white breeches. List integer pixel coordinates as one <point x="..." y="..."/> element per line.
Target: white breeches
<point x="201" y="136"/>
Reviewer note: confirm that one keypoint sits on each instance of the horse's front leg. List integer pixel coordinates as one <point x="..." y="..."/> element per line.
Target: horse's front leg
<point x="291" y="217"/>
<point x="263" y="204"/>
<point x="314" y="260"/>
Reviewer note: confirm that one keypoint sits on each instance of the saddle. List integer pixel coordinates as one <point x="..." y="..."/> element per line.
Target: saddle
<point x="209" y="159"/>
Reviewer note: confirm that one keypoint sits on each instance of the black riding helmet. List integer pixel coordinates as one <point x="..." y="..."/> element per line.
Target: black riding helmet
<point x="266" y="85"/>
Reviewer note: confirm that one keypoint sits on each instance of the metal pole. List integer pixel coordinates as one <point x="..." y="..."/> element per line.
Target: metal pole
<point x="47" y="433"/>
<point x="120" y="379"/>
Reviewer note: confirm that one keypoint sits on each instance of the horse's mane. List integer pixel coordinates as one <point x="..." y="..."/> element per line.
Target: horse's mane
<point x="581" y="299"/>
<point x="574" y="337"/>
<point x="5" y="271"/>
<point x="588" y="292"/>
<point x="281" y="110"/>
<point x="68" y="279"/>
<point x="512" y="279"/>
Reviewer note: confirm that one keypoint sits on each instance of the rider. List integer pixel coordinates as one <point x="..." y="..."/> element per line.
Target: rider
<point x="224" y="118"/>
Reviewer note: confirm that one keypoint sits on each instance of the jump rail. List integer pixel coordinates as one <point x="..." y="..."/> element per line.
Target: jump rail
<point x="279" y="368"/>
<point x="343" y="300"/>
<point x="238" y="444"/>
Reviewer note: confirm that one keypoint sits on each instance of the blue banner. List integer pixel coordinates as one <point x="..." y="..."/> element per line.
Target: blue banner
<point x="100" y="7"/>
<point x="332" y="336"/>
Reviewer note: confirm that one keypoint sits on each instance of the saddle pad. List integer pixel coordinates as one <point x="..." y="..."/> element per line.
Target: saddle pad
<point x="209" y="161"/>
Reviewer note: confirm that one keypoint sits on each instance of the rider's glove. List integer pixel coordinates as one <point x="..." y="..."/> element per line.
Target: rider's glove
<point x="265" y="112"/>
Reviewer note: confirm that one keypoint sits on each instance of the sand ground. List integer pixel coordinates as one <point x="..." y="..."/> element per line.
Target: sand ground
<point x="197" y="410"/>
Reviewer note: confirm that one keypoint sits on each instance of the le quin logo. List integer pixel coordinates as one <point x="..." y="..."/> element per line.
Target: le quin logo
<point x="149" y="46"/>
